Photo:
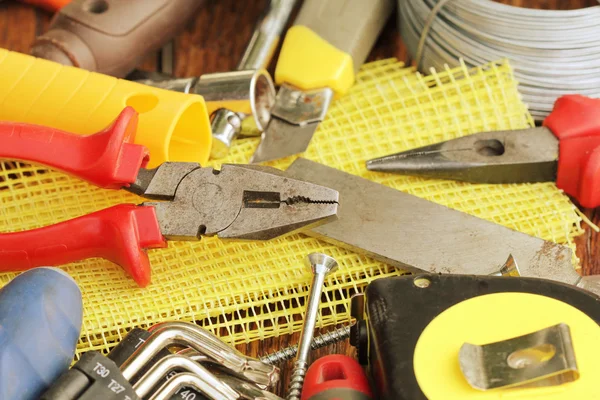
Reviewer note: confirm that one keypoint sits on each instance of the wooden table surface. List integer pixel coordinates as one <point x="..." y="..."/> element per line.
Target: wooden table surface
<point x="215" y="41"/>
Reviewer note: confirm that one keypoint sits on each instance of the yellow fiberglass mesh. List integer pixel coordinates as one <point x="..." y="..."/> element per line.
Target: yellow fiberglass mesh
<point x="250" y="290"/>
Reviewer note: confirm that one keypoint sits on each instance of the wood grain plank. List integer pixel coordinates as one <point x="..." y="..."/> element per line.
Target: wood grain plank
<point x="18" y="26"/>
<point x="588" y="244"/>
<point x="217" y="38"/>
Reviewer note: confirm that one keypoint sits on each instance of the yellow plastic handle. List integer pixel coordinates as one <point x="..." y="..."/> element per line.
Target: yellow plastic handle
<point x="309" y="62"/>
<point x="329" y="42"/>
<point x="173" y="126"/>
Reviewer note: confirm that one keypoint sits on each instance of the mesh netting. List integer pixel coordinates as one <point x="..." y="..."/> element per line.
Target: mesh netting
<point x="245" y="291"/>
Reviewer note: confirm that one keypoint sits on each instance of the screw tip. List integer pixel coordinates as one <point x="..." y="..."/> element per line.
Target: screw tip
<point x="321" y="263"/>
<point x="510" y="268"/>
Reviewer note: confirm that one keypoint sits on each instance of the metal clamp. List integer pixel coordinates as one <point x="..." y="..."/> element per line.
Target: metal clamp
<point x="542" y="358"/>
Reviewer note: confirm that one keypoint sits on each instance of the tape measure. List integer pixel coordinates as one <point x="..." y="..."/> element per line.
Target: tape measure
<point x="410" y="330"/>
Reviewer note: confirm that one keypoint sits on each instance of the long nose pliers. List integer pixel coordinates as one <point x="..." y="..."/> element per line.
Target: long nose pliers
<point x="565" y="150"/>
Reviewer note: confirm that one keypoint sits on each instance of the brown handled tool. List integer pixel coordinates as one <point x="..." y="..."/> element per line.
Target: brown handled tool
<point x="112" y="36"/>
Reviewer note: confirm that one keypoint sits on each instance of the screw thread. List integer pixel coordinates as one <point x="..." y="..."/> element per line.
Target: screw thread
<point x="332" y="337"/>
<point x="297" y="380"/>
<point x="318" y="342"/>
<point x="281" y="355"/>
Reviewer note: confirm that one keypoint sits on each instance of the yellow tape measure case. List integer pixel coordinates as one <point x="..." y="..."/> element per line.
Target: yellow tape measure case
<point x="410" y="330"/>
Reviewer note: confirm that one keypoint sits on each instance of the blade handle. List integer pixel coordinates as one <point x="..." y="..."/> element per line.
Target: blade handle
<point x="336" y="376"/>
<point x="329" y="42"/>
<point x="119" y="234"/>
<point x="575" y="121"/>
<point x="107" y="159"/>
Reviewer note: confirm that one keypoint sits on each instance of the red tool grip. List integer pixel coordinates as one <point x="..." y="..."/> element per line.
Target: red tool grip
<point x="119" y="234"/>
<point x="50" y="5"/>
<point x="575" y="121"/>
<point x="336" y="377"/>
<point x="108" y="159"/>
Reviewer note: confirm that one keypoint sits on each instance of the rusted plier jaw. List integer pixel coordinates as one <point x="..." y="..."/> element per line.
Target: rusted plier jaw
<point x="237" y="202"/>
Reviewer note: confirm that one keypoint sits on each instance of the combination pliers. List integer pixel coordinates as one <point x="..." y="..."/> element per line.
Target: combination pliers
<point x="237" y="201"/>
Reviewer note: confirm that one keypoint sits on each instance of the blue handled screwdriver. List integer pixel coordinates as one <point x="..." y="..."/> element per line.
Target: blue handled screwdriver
<point x="40" y="321"/>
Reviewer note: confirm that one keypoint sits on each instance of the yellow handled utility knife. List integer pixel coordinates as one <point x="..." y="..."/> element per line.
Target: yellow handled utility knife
<point x="320" y="55"/>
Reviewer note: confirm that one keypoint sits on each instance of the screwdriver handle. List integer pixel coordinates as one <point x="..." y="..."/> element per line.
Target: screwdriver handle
<point x="119" y="234"/>
<point x="40" y="322"/>
<point x="107" y="159"/>
<point x="336" y="377"/>
<point x="112" y="36"/>
<point x="329" y="42"/>
<point x="575" y="121"/>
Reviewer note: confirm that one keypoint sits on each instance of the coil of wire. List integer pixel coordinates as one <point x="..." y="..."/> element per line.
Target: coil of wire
<point x="553" y="52"/>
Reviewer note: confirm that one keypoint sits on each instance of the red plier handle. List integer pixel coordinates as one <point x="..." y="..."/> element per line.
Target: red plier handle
<point x="575" y="121"/>
<point x="119" y="234"/>
<point x="50" y="5"/>
<point x="108" y="159"/>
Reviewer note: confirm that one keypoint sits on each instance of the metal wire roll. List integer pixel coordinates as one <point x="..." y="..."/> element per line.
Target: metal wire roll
<point x="553" y="52"/>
